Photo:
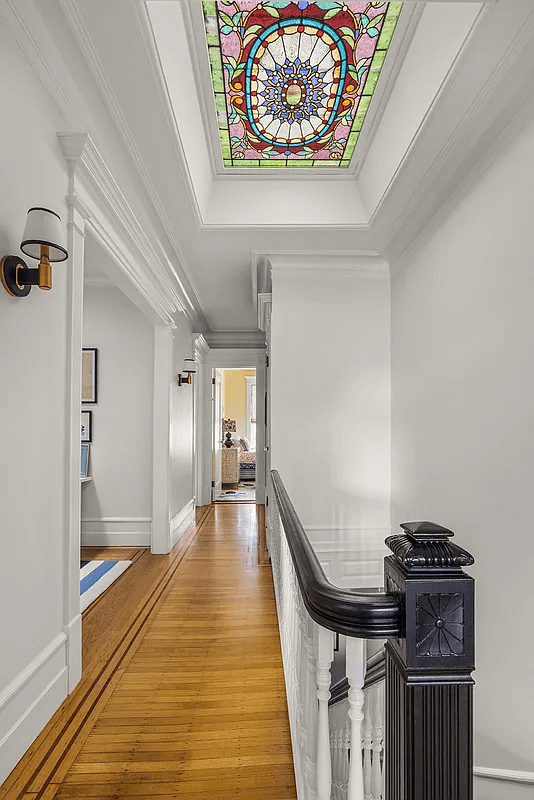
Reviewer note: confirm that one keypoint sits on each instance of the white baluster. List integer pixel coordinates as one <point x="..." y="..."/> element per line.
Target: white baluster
<point x="367" y="745"/>
<point x="325" y="655"/>
<point x="377" y="733"/>
<point x="310" y="707"/>
<point x="355" y="676"/>
<point x="346" y="750"/>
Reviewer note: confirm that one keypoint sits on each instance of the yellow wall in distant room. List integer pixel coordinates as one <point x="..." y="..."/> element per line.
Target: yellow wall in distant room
<point x="235" y="397"/>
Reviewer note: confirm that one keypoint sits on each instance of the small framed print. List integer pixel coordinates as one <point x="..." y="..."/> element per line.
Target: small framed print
<point x="87" y="426"/>
<point x="84" y="467"/>
<point x="89" y="375"/>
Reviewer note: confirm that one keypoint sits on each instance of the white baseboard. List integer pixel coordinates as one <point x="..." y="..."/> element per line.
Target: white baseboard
<point x="182" y="521"/>
<point x="74" y="651"/>
<point x="499" y="784"/>
<point x="117" y="532"/>
<point x="27" y="704"/>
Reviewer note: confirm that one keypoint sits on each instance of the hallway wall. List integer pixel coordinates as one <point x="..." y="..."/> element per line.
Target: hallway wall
<point x="117" y="504"/>
<point x="33" y="420"/>
<point x="330" y="396"/>
<point x="463" y="434"/>
<point x="182" y="491"/>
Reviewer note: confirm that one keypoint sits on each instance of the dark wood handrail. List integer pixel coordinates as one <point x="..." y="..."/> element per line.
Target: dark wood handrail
<point x="375" y="671"/>
<point x="366" y="616"/>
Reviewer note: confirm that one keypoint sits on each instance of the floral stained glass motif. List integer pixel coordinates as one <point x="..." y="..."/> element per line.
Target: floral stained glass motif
<point x="293" y="80"/>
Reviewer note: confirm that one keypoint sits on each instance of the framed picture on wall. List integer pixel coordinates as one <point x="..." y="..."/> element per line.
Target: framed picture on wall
<point x="89" y="375"/>
<point x="87" y="426"/>
<point x="84" y="467"/>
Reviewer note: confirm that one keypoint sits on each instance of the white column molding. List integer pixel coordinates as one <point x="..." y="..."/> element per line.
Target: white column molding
<point x="264" y="311"/>
<point x="201" y="409"/>
<point x="161" y="531"/>
<point x="77" y="216"/>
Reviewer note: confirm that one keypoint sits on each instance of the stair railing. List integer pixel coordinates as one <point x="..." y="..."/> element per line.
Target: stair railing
<point x="399" y="726"/>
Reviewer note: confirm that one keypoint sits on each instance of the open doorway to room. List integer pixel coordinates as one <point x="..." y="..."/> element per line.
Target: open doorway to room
<point x="116" y="428"/>
<point x="234" y="435"/>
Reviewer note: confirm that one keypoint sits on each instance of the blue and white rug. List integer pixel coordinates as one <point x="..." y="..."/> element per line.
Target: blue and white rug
<point x="96" y="577"/>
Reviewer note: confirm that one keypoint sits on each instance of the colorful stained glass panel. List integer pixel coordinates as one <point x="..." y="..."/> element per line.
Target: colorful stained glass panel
<point x="293" y="80"/>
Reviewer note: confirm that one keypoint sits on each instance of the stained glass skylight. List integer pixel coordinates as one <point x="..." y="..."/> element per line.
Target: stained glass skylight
<point x="293" y="80"/>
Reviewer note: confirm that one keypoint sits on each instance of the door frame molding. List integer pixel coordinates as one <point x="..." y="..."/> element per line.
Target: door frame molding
<point x="96" y="205"/>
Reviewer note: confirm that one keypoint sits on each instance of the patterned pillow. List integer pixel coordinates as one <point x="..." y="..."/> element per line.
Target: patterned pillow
<point x="245" y="444"/>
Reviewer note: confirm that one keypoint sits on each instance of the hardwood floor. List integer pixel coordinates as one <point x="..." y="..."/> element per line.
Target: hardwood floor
<point x="183" y="689"/>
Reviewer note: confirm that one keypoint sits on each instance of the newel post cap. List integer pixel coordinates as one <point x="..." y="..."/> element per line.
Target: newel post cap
<point x="427" y="546"/>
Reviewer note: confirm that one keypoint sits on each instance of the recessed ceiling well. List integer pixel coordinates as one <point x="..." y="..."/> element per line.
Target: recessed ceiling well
<point x="292" y="81"/>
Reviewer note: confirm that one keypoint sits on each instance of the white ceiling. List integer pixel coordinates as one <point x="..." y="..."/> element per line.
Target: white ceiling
<point x="449" y="97"/>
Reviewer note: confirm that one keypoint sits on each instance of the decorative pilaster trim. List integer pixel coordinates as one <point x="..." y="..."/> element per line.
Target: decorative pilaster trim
<point x="264" y="303"/>
<point x="201" y="347"/>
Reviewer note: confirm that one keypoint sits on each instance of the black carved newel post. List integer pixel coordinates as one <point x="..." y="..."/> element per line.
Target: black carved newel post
<point x="429" y="688"/>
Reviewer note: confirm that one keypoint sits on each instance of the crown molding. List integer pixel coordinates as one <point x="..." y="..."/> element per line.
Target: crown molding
<point x="42" y="53"/>
<point x="200" y="347"/>
<point x="329" y="264"/>
<point x="240" y="340"/>
<point x="149" y="38"/>
<point x="237" y="358"/>
<point x="189" y="298"/>
<point x="473" y="177"/>
<point x="88" y="169"/>
<point x="402" y="216"/>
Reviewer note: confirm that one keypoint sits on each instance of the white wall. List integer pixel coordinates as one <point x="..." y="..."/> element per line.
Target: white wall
<point x="330" y="396"/>
<point x="462" y="429"/>
<point x="117" y="504"/>
<point x="182" y="491"/>
<point x="33" y="418"/>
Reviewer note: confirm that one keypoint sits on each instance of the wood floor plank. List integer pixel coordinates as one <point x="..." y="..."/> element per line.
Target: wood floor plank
<point x="183" y="691"/>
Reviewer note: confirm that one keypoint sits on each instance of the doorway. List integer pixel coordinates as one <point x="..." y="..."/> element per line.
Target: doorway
<point x="234" y="435"/>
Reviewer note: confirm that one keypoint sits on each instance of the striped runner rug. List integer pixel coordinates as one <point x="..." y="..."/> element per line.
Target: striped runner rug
<point x="96" y="577"/>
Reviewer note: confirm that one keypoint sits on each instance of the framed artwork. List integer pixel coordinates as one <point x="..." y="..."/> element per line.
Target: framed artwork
<point x="89" y="375"/>
<point x="84" y="467"/>
<point x="87" y="426"/>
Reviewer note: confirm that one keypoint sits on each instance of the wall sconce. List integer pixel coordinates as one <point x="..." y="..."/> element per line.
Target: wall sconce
<point x="189" y="368"/>
<point x="42" y="240"/>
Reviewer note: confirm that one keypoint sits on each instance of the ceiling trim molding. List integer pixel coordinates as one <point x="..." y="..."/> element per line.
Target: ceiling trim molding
<point x="330" y="263"/>
<point x="237" y="358"/>
<point x="90" y="170"/>
<point x="19" y="28"/>
<point x="458" y="146"/>
<point x="473" y="177"/>
<point x="412" y="151"/>
<point x="397" y="51"/>
<point x="149" y="38"/>
<point x="235" y="340"/>
<point x="187" y="290"/>
<point x="200" y="347"/>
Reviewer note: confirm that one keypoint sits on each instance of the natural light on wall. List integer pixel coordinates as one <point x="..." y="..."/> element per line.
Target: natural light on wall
<point x="293" y="80"/>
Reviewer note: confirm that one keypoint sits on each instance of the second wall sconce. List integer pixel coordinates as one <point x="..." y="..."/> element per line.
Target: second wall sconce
<point x="188" y="368"/>
<point x="42" y="240"/>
